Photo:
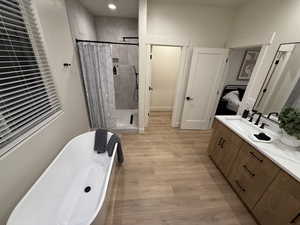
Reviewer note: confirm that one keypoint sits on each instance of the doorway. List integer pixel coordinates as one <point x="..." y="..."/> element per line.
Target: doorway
<point x="241" y="62"/>
<point x="165" y="62"/>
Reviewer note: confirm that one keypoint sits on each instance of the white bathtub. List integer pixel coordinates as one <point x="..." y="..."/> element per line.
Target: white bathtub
<point x="58" y="197"/>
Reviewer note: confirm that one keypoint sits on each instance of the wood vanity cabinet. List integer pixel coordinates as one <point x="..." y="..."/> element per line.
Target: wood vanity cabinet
<point x="272" y="195"/>
<point x="251" y="174"/>
<point x="280" y="205"/>
<point x="224" y="147"/>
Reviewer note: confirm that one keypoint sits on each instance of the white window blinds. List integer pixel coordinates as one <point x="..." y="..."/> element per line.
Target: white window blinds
<point x="27" y="91"/>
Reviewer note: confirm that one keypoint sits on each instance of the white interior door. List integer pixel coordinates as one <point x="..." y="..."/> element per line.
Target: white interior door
<point x="206" y="75"/>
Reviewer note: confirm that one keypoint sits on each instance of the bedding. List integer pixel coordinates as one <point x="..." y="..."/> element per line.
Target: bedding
<point x="233" y="100"/>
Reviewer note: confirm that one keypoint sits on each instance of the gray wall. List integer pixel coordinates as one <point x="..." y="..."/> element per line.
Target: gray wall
<point x="235" y="60"/>
<point x="236" y="57"/>
<point x="20" y="168"/>
<point x="114" y="28"/>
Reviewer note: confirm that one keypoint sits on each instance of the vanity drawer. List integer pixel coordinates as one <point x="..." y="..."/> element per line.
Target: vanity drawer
<point x="280" y="205"/>
<point x="251" y="174"/>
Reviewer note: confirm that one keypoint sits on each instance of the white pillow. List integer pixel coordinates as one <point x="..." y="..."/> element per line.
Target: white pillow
<point x="233" y="95"/>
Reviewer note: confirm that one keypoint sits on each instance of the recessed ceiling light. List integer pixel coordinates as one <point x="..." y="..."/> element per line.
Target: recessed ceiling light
<point x="112" y="6"/>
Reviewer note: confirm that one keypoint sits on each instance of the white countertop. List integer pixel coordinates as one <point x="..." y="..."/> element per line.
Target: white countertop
<point x="288" y="159"/>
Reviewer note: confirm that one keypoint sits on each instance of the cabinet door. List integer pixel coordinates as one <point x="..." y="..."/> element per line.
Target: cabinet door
<point x="251" y="174"/>
<point x="280" y="205"/>
<point x="227" y="155"/>
<point x="224" y="147"/>
<point x="215" y="141"/>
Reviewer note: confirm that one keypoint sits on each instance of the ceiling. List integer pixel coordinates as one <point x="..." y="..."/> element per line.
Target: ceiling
<point x="129" y="8"/>
<point x="125" y="8"/>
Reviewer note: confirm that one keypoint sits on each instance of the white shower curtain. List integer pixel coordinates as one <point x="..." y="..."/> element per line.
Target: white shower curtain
<point x="97" y="72"/>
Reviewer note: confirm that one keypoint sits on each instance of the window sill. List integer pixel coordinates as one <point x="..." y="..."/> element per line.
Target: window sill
<point x="11" y="147"/>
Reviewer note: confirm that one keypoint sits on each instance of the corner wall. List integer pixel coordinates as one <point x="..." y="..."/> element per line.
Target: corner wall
<point x="81" y="21"/>
<point x="21" y="167"/>
<point x="255" y="23"/>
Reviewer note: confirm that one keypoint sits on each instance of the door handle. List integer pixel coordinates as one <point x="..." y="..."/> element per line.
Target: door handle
<point x="189" y="98"/>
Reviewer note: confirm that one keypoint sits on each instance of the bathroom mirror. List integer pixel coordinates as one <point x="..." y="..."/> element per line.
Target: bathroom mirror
<point x="282" y="85"/>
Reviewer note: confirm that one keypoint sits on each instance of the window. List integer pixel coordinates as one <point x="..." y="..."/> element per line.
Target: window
<point x="27" y="91"/>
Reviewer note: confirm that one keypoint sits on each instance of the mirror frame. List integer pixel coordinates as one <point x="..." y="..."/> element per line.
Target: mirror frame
<point x="267" y="80"/>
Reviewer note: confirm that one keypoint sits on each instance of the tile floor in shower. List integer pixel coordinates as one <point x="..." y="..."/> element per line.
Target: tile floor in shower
<point x="123" y="117"/>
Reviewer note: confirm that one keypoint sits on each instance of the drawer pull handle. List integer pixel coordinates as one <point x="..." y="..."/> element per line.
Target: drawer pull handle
<point x="249" y="171"/>
<point x="294" y="220"/>
<point x="240" y="186"/>
<point x="260" y="160"/>
<point x="220" y="141"/>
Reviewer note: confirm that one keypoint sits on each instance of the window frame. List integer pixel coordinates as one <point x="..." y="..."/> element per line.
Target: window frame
<point x="23" y="136"/>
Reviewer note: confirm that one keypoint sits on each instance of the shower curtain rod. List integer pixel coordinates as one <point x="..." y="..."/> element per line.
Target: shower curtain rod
<point x="124" y="38"/>
<point x="106" y="42"/>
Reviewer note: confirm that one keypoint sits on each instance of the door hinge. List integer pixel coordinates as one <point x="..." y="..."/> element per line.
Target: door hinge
<point x="276" y="62"/>
<point x="151" y="56"/>
<point x="227" y="60"/>
<point x="148" y="114"/>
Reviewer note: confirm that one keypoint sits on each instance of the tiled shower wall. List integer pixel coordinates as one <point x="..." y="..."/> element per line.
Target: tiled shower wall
<point x="125" y="57"/>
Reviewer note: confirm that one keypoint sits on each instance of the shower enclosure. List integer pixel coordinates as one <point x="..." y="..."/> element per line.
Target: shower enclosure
<point x="110" y="78"/>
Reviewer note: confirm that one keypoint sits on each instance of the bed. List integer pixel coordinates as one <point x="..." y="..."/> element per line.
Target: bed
<point x="231" y="99"/>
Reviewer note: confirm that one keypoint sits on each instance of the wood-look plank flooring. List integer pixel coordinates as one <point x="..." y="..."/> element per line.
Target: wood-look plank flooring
<point x="168" y="179"/>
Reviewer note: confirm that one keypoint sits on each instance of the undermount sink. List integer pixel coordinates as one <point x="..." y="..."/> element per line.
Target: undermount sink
<point x="245" y="127"/>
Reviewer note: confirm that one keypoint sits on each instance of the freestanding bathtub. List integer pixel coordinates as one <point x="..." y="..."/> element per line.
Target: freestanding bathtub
<point x="73" y="190"/>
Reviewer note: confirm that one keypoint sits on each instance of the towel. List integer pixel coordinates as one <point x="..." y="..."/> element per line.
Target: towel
<point x="102" y="146"/>
<point x="100" y="140"/>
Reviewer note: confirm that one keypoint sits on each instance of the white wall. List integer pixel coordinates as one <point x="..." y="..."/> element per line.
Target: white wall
<point x="165" y="66"/>
<point x="20" y="168"/>
<point x="254" y="23"/>
<point x="178" y="23"/>
<point x="82" y="27"/>
<point x="114" y="28"/>
<point x="81" y="21"/>
<point x="189" y="22"/>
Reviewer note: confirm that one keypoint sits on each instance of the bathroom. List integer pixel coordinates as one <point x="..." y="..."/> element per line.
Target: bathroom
<point x="73" y="70"/>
